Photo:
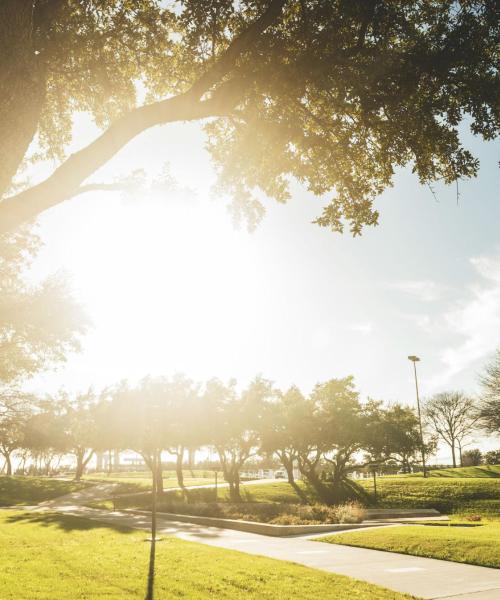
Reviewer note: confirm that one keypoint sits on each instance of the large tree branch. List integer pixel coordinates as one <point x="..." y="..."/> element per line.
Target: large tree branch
<point x="237" y="47"/>
<point x="65" y="181"/>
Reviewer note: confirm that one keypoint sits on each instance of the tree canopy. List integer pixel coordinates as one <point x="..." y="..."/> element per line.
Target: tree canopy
<point x="39" y="322"/>
<point x="336" y="94"/>
<point x="489" y="408"/>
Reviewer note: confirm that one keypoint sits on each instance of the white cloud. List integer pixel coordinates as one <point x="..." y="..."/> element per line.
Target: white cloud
<point x="476" y="320"/>
<point x="424" y="290"/>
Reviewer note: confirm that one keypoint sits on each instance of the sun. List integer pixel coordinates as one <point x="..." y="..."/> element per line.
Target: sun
<point x="164" y="282"/>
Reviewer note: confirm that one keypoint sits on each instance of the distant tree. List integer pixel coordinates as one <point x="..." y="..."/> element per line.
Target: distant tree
<point x="472" y="458"/>
<point x="489" y="407"/>
<point x="179" y="413"/>
<point x="77" y="419"/>
<point x="453" y="417"/>
<point x="11" y="439"/>
<point x="136" y="417"/>
<point x="492" y="457"/>
<point x="395" y="435"/>
<point x="235" y="422"/>
<point x="39" y="324"/>
<point x="282" y="429"/>
<point x="337" y="94"/>
<point x="343" y="427"/>
<point x="44" y="433"/>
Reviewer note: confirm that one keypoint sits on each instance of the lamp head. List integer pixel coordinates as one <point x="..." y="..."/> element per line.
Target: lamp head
<point x="414" y="359"/>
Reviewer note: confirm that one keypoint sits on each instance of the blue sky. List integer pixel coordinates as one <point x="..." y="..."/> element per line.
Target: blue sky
<point x="171" y="285"/>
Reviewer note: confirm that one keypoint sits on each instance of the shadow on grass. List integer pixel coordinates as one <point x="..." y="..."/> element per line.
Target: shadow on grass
<point x="151" y="572"/>
<point x="65" y="522"/>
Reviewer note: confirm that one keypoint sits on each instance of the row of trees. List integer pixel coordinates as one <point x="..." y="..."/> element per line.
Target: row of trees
<point x="325" y="434"/>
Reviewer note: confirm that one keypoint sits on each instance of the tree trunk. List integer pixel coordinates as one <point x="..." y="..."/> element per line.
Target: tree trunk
<point x="8" y="464"/>
<point x="453" y="457"/>
<point x="234" y="486"/>
<point x="288" y="464"/>
<point x="179" y="463"/>
<point x="460" y="454"/>
<point x="22" y="84"/>
<point x="79" y="468"/>
<point x="309" y="472"/>
<point x="191" y="460"/>
<point x="81" y="463"/>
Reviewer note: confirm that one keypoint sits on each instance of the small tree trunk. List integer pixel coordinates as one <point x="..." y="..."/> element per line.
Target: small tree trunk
<point x="79" y="468"/>
<point x="453" y="457"/>
<point x="179" y="463"/>
<point x="234" y="487"/>
<point x="8" y="464"/>
<point x="310" y="474"/>
<point x="288" y="464"/>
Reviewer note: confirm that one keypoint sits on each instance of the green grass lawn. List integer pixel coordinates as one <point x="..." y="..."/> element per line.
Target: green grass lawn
<point x="446" y="494"/>
<point x="476" y="545"/>
<point x="32" y="490"/>
<point x="460" y="495"/>
<point x="481" y="471"/>
<point x="55" y="556"/>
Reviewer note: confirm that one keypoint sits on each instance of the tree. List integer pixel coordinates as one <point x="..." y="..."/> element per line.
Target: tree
<point x="39" y="324"/>
<point x="492" y="457"/>
<point x="453" y="416"/>
<point x="335" y="94"/>
<point x="234" y="423"/>
<point x="11" y="439"/>
<point x="395" y="435"/>
<point x="44" y="434"/>
<point x="472" y="458"/>
<point x="489" y="408"/>
<point x="180" y="412"/>
<point x="282" y="428"/>
<point x="136" y="417"/>
<point x="76" y="419"/>
<point x="342" y="428"/>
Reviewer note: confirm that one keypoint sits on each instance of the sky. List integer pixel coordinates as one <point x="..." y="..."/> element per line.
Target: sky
<point x="170" y="284"/>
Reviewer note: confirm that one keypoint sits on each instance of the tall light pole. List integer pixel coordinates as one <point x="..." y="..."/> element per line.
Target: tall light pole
<point x="415" y="360"/>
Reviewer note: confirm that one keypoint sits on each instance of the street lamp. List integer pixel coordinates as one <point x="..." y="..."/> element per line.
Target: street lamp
<point x="415" y="360"/>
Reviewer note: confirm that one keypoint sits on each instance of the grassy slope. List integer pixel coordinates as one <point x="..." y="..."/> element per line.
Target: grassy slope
<point x="55" y="556"/>
<point x="475" y="545"/>
<point x="448" y="495"/>
<point x="481" y="471"/>
<point x="481" y="495"/>
<point x="31" y="490"/>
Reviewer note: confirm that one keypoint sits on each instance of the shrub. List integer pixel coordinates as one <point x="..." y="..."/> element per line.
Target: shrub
<point x="473" y="518"/>
<point x="352" y="512"/>
<point x="279" y="514"/>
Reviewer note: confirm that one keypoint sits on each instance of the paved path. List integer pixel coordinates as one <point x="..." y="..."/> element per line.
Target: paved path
<point x="422" y="577"/>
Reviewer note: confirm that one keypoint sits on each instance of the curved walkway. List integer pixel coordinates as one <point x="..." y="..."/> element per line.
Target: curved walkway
<point x="422" y="577"/>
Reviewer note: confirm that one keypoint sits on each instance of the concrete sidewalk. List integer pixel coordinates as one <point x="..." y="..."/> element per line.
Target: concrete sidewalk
<point x="422" y="577"/>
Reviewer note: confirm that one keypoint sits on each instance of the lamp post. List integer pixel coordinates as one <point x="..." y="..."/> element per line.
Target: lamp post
<point x="415" y="360"/>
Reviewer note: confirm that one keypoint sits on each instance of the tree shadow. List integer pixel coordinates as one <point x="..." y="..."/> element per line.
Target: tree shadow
<point x="353" y="491"/>
<point x="151" y="572"/>
<point x="63" y="521"/>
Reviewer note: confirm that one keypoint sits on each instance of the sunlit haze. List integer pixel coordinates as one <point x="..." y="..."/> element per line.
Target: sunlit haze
<point x="171" y="284"/>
